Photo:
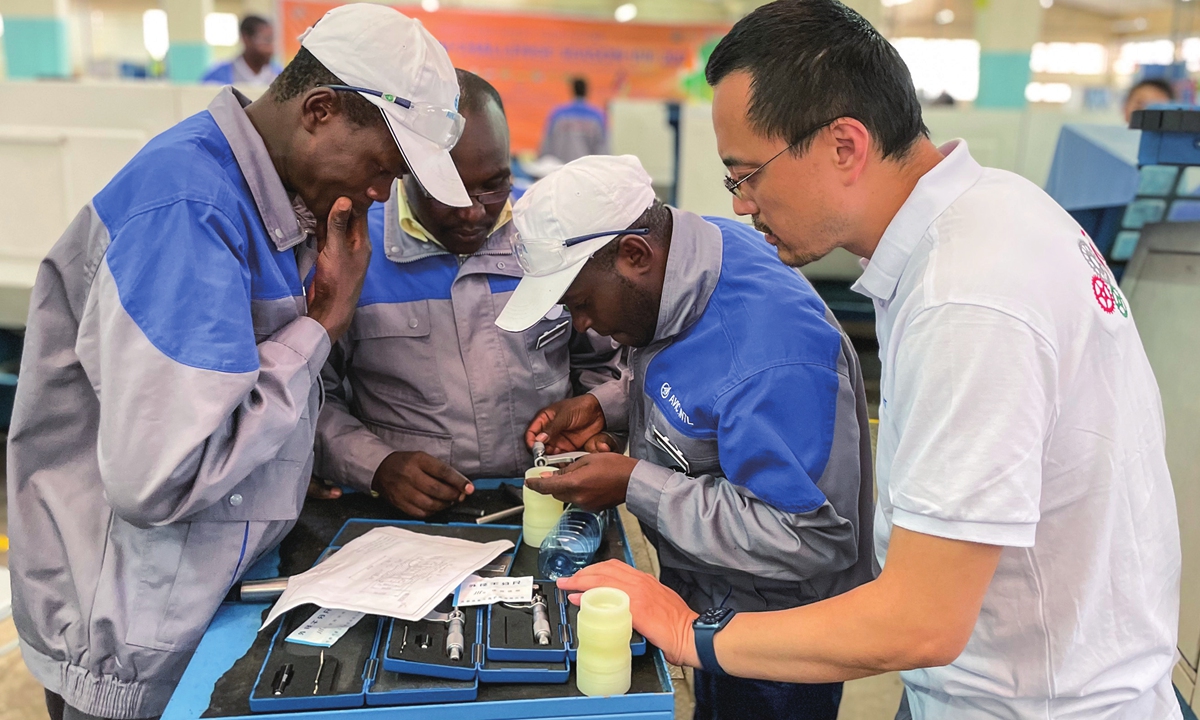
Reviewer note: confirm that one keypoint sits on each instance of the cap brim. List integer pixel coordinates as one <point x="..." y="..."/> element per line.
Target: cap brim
<point x="432" y="165"/>
<point x="535" y="296"/>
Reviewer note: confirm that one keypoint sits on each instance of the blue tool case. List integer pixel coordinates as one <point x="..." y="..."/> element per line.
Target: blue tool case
<point x="233" y="673"/>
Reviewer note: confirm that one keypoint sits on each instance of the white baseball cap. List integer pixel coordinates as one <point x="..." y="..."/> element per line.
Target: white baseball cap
<point x="564" y="219"/>
<point x="393" y="61"/>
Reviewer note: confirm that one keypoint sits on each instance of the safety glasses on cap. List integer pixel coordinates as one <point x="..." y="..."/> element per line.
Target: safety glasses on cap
<point x="541" y="256"/>
<point x="439" y="125"/>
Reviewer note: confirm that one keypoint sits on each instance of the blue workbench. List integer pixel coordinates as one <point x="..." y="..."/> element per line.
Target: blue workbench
<point x="233" y="631"/>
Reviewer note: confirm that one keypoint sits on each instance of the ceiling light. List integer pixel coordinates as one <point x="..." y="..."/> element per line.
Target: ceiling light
<point x="154" y="33"/>
<point x="944" y="17"/>
<point x="1" y="26"/>
<point x="1046" y="3"/>
<point x="626" y="12"/>
<point x="221" y="29"/>
<point x="894" y="3"/>
<point x="1048" y="92"/>
<point x="430" y="5"/>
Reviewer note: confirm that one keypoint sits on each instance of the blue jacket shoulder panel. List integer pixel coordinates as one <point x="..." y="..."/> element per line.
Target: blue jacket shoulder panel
<point x="758" y="373"/>
<point x="770" y="312"/>
<point x="221" y="73"/>
<point x="429" y="278"/>
<point x="578" y="111"/>
<point x="188" y="249"/>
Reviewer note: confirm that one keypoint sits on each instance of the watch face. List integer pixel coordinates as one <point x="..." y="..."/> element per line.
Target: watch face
<point x="714" y="616"/>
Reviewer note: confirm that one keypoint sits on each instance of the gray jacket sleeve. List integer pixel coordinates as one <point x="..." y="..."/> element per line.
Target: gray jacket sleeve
<point x="594" y="360"/>
<point x="176" y="433"/>
<point x="347" y="452"/>
<point x="782" y="501"/>
<point x="613" y="397"/>
<point x="717" y="524"/>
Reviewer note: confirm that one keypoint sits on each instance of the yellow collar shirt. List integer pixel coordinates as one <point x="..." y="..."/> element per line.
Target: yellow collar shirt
<point x="412" y="227"/>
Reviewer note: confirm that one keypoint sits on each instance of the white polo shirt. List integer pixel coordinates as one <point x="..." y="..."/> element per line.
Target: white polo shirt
<point x="1018" y="409"/>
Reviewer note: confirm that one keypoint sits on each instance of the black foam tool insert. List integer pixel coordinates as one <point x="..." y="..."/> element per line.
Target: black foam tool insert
<point x="345" y="660"/>
<point x="406" y="639"/>
<point x="512" y="627"/>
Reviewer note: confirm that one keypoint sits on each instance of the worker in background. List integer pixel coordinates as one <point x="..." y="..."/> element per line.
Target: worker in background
<point x="162" y="433"/>
<point x="1025" y="518"/>
<point x="254" y="65"/>
<point x="749" y="463"/>
<point x="1146" y="93"/>
<point x="575" y="129"/>
<point x="424" y="391"/>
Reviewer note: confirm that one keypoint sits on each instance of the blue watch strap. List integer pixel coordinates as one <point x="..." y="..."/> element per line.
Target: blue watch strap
<point x="704" y="629"/>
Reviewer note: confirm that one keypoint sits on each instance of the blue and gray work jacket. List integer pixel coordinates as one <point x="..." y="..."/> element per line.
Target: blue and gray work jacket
<point x="424" y="367"/>
<point x="748" y="414"/>
<point x="574" y="130"/>
<point x="163" y="428"/>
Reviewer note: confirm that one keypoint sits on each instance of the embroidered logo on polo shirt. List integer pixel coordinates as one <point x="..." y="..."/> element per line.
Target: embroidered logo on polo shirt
<point x="1104" y="284"/>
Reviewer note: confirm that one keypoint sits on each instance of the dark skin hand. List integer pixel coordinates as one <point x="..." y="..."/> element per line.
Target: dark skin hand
<point x="482" y="160"/>
<point x="342" y="262"/>
<point x="419" y="484"/>
<point x="568" y="425"/>
<point x="595" y="482"/>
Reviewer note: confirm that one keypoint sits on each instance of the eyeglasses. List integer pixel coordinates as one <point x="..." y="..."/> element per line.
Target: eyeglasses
<point x="487" y="197"/>
<point x="492" y="197"/>
<point x="734" y="186"/>
<point x="543" y="256"/>
<point x="441" y="126"/>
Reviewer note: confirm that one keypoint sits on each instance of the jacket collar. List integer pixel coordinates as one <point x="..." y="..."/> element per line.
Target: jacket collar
<point x="934" y="192"/>
<point x="287" y="221"/>
<point x="693" y="268"/>
<point x="412" y="226"/>
<point x="401" y="247"/>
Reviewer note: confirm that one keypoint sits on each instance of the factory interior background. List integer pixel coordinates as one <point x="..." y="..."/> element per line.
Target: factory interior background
<point x="1037" y="87"/>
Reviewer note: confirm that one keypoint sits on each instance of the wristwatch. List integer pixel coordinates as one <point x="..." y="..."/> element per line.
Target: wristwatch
<point x="705" y="627"/>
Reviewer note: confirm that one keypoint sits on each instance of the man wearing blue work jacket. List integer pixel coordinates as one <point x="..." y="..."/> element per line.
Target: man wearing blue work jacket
<point x="424" y="393"/>
<point x="162" y="436"/>
<point x="750" y="457"/>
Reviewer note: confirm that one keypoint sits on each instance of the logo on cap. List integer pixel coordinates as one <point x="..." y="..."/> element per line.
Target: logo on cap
<point x="665" y="391"/>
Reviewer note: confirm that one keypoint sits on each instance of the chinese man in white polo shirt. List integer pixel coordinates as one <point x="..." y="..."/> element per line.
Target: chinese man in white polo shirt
<point x="1026" y="521"/>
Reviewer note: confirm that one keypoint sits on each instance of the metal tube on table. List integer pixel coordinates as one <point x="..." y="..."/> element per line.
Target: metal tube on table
<point x="499" y="515"/>
<point x="259" y="591"/>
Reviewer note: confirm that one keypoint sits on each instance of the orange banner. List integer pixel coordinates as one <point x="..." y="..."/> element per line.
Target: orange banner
<point x="530" y="59"/>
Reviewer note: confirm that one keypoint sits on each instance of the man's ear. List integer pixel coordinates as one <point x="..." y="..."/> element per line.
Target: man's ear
<point x="635" y="255"/>
<point x="318" y="107"/>
<point x="851" y="147"/>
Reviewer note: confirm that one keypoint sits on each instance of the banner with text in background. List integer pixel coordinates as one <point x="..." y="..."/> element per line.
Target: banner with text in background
<point x="530" y="59"/>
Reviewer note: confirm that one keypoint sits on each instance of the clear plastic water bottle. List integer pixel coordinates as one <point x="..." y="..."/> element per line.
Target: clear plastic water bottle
<point x="572" y="544"/>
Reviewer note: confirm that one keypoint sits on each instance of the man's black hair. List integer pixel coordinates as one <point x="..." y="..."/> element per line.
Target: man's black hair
<point x="475" y="92"/>
<point x="579" y="87"/>
<point x="250" y="25"/>
<point x="659" y="221"/>
<point x="305" y="72"/>
<point x="1157" y="84"/>
<point x="812" y="61"/>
